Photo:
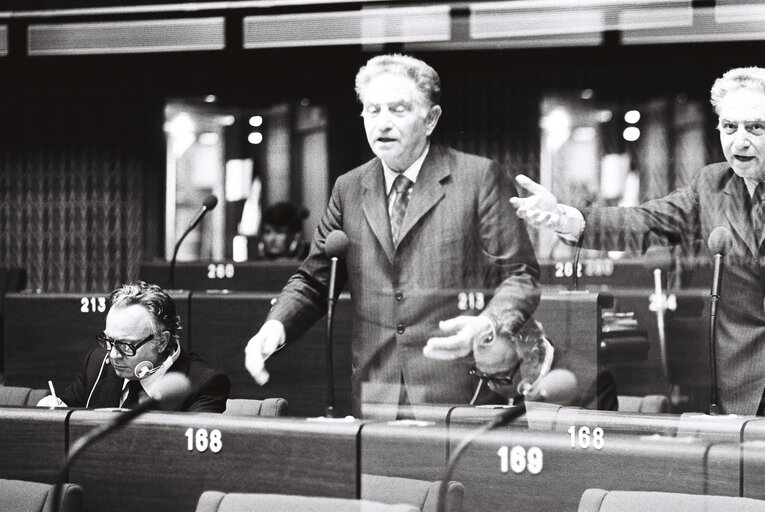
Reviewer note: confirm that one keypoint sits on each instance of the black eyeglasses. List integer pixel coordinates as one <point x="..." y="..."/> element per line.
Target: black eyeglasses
<point x="123" y="347"/>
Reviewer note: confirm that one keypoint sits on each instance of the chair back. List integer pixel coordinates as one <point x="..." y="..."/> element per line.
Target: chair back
<point x="599" y="500"/>
<point x="12" y="395"/>
<point x="420" y="493"/>
<point x="23" y="496"/>
<point x="35" y="395"/>
<point x="251" y="407"/>
<point x="649" y="404"/>
<point x="214" y="501"/>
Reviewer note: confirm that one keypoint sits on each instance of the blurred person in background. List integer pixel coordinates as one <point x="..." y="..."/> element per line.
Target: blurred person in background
<point x="281" y="233"/>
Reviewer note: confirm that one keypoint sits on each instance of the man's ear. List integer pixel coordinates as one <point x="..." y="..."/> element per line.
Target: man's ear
<point x="164" y="339"/>
<point x="432" y="117"/>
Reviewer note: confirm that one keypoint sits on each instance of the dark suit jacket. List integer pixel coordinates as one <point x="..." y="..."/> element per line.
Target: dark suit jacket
<point x="458" y="235"/>
<point x="210" y="388"/>
<point x="715" y="197"/>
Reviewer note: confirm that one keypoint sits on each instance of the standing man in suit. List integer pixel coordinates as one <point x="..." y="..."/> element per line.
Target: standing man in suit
<point x="425" y="224"/>
<point x="725" y="194"/>
<point x="138" y="347"/>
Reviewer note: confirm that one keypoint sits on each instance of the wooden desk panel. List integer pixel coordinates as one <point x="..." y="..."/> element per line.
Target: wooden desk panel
<point x="405" y="449"/>
<point x="11" y="280"/>
<point x="539" y="415"/>
<point x="147" y="465"/>
<point x="648" y="463"/>
<point x="573" y="323"/>
<point x="223" y="323"/>
<point x="32" y="443"/>
<point x="224" y="275"/>
<point x="753" y="458"/>
<point x="617" y="422"/>
<point x="753" y="467"/>
<point x="686" y="331"/>
<point x="47" y="335"/>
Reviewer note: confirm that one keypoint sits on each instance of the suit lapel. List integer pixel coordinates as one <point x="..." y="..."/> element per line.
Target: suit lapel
<point x="735" y="208"/>
<point x="375" y="206"/>
<point x="427" y="190"/>
<point x="108" y="390"/>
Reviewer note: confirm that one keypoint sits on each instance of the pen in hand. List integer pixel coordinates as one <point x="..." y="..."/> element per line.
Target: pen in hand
<point x="52" y="390"/>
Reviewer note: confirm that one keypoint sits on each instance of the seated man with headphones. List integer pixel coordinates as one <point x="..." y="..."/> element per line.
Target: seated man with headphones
<point x="137" y="348"/>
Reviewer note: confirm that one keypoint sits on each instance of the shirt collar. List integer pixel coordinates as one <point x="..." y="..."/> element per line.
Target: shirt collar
<point x="149" y="383"/>
<point x="750" y="186"/>
<point x="411" y="172"/>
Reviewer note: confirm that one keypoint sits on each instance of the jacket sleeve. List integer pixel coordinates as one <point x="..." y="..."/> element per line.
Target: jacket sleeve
<point x="506" y="243"/>
<point x="303" y="301"/>
<point x="211" y="396"/>
<point x="76" y="394"/>
<point x="669" y="220"/>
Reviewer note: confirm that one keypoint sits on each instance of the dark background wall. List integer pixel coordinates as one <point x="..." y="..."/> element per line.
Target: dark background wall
<point x="82" y="149"/>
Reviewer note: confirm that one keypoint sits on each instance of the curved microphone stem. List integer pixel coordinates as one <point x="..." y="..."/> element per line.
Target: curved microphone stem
<point x="94" y="435"/>
<point x="330" y="412"/>
<point x="498" y="420"/>
<point x="175" y="251"/>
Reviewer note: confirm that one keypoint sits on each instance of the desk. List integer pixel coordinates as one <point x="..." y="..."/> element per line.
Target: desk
<point x="222" y="323"/>
<point x="630" y="272"/>
<point x="564" y="473"/>
<point x="687" y="347"/>
<point x="221" y="275"/>
<point x="573" y="323"/>
<point x="47" y="335"/>
<point x="147" y="466"/>
<point x="408" y="449"/>
<point x="32" y="443"/>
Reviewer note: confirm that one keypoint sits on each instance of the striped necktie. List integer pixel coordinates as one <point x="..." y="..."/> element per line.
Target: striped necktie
<point x="758" y="212"/>
<point x="403" y="187"/>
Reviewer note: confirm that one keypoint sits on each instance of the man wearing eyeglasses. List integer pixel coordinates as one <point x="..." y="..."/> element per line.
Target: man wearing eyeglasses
<point x="138" y="347"/>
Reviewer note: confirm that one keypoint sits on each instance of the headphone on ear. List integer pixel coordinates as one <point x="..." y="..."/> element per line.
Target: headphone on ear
<point x="146" y="368"/>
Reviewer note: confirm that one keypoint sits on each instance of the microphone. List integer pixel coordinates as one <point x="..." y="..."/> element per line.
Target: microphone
<point x="170" y="391"/>
<point x="335" y="246"/>
<point x="208" y="204"/>
<point x="720" y="242"/>
<point x="658" y="258"/>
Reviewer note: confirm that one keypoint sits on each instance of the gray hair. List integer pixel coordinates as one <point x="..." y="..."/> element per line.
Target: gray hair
<point x="156" y="301"/>
<point x="737" y="78"/>
<point x="425" y="77"/>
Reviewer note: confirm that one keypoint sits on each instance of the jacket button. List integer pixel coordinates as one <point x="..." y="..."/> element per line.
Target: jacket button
<point x="400" y="328"/>
<point x="399" y="296"/>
